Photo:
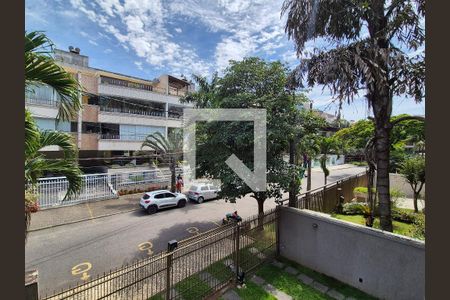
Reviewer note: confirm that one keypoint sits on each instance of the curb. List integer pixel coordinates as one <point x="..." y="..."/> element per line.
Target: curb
<point x="82" y="220"/>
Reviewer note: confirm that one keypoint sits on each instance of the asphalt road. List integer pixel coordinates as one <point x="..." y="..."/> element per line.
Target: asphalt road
<point x="111" y="242"/>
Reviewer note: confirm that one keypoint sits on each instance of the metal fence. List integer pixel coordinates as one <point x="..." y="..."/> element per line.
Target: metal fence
<point x="51" y="191"/>
<point x="325" y="198"/>
<point x="198" y="268"/>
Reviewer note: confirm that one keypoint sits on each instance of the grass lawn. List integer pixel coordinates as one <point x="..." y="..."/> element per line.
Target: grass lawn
<point x="253" y="291"/>
<point x="332" y="283"/>
<point x="399" y="227"/>
<point x="290" y="284"/>
<point x="192" y="288"/>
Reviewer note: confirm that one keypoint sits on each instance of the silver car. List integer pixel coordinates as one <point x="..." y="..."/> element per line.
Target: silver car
<point x="202" y="192"/>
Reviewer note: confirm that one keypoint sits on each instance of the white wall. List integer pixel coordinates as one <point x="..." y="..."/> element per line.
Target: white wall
<point x="382" y="264"/>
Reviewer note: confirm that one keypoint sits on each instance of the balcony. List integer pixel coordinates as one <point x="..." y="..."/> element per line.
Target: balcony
<point x="41" y="101"/>
<point x="133" y="111"/>
<point x="157" y="95"/>
<point x="124" y="137"/>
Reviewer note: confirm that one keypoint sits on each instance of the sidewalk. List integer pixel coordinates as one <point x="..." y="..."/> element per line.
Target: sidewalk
<point x="338" y="167"/>
<point x="52" y="217"/>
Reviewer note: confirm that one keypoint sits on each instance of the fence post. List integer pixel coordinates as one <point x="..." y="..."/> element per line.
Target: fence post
<point x="236" y="257"/>
<point x="170" y="247"/>
<point x="277" y="228"/>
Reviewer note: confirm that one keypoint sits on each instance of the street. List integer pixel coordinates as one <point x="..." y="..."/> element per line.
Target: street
<point x="78" y="252"/>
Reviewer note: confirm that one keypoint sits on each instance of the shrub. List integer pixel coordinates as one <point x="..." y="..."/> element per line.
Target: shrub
<point x="403" y="215"/>
<point x="355" y="208"/>
<point x="418" y="229"/>
<point x="31" y="203"/>
<point x="362" y="189"/>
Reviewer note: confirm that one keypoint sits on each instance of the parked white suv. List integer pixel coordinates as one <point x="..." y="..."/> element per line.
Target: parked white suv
<point x="202" y="192"/>
<point x="155" y="200"/>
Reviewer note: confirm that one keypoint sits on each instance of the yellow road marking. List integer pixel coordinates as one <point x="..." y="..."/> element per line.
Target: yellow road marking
<point x="146" y="246"/>
<point x="89" y="209"/>
<point x="193" y="230"/>
<point x="82" y="269"/>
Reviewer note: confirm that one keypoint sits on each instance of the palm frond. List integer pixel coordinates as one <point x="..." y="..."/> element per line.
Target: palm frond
<point x="61" y="139"/>
<point x="34" y="168"/>
<point x="31" y="135"/>
<point x="41" y="69"/>
<point x="157" y="141"/>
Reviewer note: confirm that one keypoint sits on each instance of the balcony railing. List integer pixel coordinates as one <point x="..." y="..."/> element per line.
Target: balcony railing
<point x="37" y="101"/>
<point x="124" y="137"/>
<point x="133" y="111"/>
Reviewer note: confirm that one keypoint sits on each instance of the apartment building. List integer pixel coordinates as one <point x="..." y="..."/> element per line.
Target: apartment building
<point x="118" y="110"/>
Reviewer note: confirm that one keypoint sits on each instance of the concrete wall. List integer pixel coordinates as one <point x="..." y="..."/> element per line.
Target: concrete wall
<point x="382" y="264"/>
<point x="397" y="181"/>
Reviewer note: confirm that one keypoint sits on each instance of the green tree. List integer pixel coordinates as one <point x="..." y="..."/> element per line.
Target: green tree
<point x="327" y="146"/>
<point x="363" y="61"/>
<point x="250" y="83"/>
<point x="413" y="170"/>
<point x="170" y="147"/>
<point x="41" y="69"/>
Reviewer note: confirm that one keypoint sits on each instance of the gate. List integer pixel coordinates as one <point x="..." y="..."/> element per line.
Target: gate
<point x="51" y="191"/>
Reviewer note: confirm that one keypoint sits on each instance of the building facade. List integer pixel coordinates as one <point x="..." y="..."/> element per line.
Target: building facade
<point x="118" y="111"/>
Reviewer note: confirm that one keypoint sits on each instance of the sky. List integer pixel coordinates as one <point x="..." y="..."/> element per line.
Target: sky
<point x="147" y="38"/>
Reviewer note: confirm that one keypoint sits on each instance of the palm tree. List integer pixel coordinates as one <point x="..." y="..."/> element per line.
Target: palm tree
<point x="36" y="164"/>
<point x="327" y="146"/>
<point x="170" y="147"/>
<point x="371" y="41"/>
<point x="41" y="70"/>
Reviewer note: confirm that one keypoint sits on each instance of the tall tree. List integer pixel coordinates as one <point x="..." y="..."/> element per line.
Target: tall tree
<point x="250" y="83"/>
<point x="372" y="37"/>
<point x="170" y="147"/>
<point x="327" y="146"/>
<point x="41" y="70"/>
<point x="413" y="169"/>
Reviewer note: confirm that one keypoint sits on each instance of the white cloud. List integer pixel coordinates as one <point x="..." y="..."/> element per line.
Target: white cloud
<point x="140" y="26"/>
<point x="84" y="34"/>
<point x="92" y="42"/>
<point x="107" y="51"/>
<point x="138" y="65"/>
<point x="178" y="30"/>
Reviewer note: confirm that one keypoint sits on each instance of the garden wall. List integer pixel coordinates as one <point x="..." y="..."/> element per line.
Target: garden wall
<point x="382" y="264"/>
<point x="397" y="181"/>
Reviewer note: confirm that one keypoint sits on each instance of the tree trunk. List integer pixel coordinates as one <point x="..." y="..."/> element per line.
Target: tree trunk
<point x="416" y="196"/>
<point x="382" y="145"/>
<point x="293" y="184"/>
<point x="260" y="197"/>
<point x="308" y="182"/>
<point x="308" y="185"/>
<point x="325" y="179"/>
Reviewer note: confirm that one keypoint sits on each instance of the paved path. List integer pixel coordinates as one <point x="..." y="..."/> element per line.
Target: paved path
<point x="111" y="242"/>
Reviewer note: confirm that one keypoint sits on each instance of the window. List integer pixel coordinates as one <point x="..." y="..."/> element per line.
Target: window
<point x="205" y="188"/>
<point x="146" y="196"/>
<point x="193" y="188"/>
<point x="160" y="196"/>
<point x="169" y="195"/>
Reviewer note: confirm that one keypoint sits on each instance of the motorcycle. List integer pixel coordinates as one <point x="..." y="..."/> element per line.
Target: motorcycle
<point x="231" y="218"/>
